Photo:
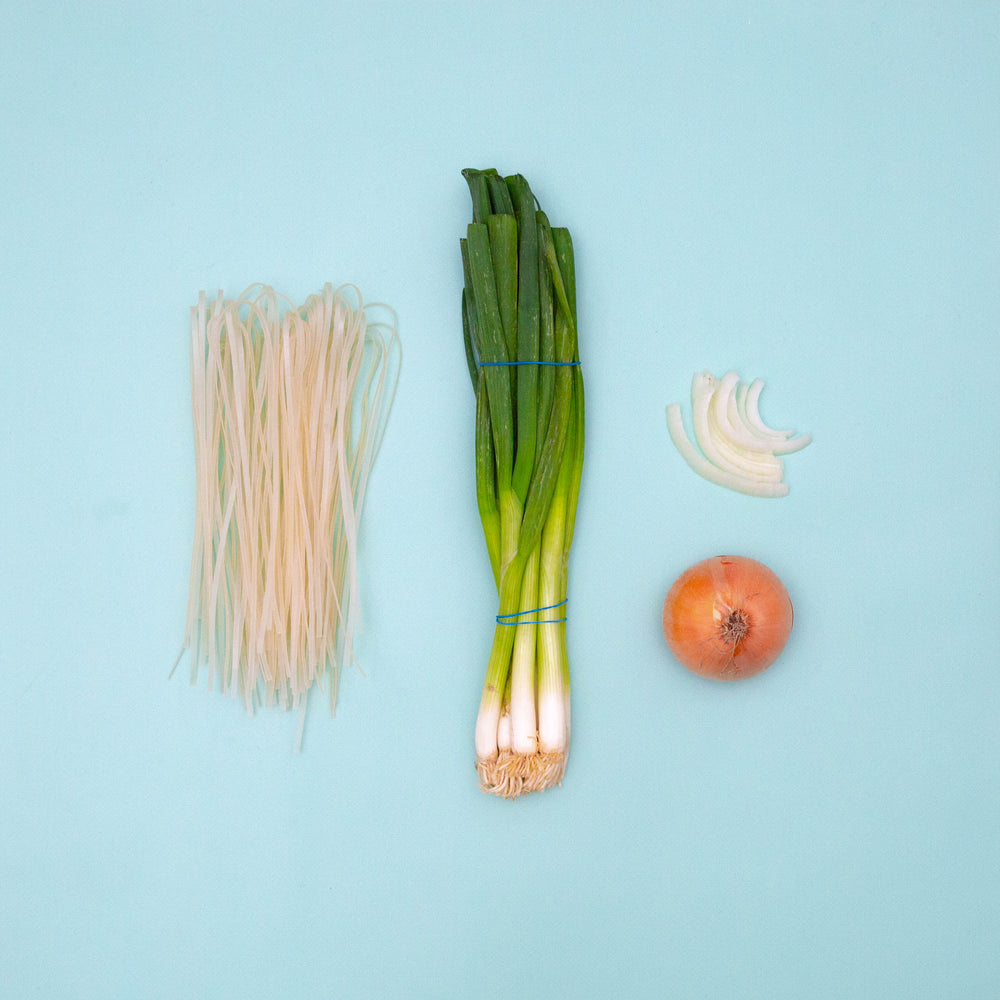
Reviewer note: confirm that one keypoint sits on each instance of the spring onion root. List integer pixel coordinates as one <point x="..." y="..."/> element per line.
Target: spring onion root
<point x="735" y="448"/>
<point x="519" y="321"/>
<point x="290" y="406"/>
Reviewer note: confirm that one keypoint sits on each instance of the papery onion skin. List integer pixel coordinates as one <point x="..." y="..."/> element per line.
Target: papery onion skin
<point x="727" y="618"/>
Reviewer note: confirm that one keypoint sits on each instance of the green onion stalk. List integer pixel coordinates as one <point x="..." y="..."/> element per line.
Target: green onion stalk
<point x="520" y="330"/>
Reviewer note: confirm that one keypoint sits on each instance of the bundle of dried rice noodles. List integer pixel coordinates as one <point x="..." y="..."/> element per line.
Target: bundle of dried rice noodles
<point x="290" y="406"/>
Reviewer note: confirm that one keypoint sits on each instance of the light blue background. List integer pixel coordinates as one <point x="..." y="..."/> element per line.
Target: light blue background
<point x="802" y="192"/>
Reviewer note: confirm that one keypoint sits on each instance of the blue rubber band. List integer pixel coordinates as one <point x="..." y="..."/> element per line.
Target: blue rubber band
<point x="533" y="611"/>
<point x="509" y="364"/>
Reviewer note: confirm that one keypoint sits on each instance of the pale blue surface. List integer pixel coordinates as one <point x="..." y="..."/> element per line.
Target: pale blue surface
<point x="806" y="193"/>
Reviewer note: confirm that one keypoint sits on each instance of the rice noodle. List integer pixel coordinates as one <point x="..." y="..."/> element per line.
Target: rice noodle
<point x="290" y="407"/>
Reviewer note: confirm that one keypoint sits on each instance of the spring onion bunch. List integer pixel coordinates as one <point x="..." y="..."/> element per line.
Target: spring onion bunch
<point x="519" y="322"/>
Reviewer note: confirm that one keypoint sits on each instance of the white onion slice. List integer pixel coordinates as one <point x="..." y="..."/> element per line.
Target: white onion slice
<point x="783" y="446"/>
<point x="737" y="449"/>
<point x="724" y="410"/>
<point x="757" y="462"/>
<point x="713" y="473"/>
<point x="753" y="416"/>
<point x="754" y="465"/>
<point x="736" y="419"/>
<point x="760" y="432"/>
<point x="796" y="444"/>
<point x="702" y="390"/>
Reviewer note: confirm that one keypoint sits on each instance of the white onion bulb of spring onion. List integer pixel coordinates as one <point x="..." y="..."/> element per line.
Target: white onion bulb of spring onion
<point x="732" y="446"/>
<point x="290" y="405"/>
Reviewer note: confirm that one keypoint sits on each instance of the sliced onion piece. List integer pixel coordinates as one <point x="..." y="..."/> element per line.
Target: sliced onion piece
<point x="702" y="389"/>
<point x="783" y="445"/>
<point x="755" y="465"/>
<point x="724" y="411"/>
<point x="740" y="403"/>
<point x="737" y="449"/>
<point x="758" y="462"/>
<point x="753" y="416"/>
<point x="736" y="419"/>
<point x="767" y="437"/>
<point x="796" y="444"/>
<point x="701" y="465"/>
<point x="702" y="386"/>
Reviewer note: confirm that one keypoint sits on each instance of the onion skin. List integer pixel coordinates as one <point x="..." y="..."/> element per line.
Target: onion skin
<point x="727" y="618"/>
